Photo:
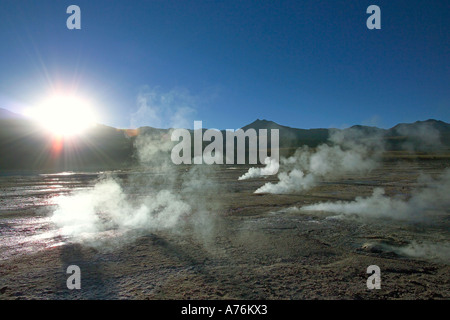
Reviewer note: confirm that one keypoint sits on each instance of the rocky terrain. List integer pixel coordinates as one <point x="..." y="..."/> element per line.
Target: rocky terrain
<point x="256" y="248"/>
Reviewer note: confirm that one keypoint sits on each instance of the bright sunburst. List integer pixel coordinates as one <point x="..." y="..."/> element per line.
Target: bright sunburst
<point x="64" y="115"/>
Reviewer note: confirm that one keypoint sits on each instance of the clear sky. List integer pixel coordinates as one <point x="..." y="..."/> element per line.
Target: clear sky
<point x="304" y="64"/>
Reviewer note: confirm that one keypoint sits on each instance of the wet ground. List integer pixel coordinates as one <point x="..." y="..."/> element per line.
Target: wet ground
<point x="255" y="246"/>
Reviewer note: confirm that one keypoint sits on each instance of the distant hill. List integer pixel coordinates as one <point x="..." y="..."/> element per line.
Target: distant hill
<point x="293" y="137"/>
<point x="25" y="146"/>
<point x="6" y="114"/>
<point x="421" y="136"/>
<point x="426" y="136"/>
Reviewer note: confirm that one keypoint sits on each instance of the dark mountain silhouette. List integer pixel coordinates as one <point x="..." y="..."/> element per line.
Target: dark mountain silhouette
<point x="435" y="124"/>
<point x="293" y="137"/>
<point x="423" y="136"/>
<point x="6" y="114"/>
<point x="25" y="146"/>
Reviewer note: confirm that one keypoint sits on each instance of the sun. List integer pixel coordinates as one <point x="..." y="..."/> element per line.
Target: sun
<point x="64" y="115"/>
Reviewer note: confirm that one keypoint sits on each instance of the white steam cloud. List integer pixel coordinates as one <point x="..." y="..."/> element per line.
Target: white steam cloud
<point x="270" y="168"/>
<point x="421" y="137"/>
<point x="430" y="251"/>
<point x="171" y="200"/>
<point x="351" y="152"/>
<point x="107" y="207"/>
<point x="431" y="199"/>
<point x="156" y="196"/>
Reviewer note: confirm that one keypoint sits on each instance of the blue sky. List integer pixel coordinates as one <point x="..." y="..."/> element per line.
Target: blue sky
<point x="304" y="64"/>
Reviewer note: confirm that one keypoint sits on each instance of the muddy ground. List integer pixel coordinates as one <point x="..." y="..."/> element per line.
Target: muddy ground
<point x="256" y="249"/>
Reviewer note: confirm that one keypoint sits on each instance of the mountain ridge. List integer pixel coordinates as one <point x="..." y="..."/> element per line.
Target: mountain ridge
<point x="25" y="146"/>
<point x="260" y="124"/>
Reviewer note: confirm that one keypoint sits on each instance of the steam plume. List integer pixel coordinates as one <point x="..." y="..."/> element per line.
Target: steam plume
<point x="351" y="152"/>
<point x="431" y="199"/>
<point x="431" y="251"/>
<point x="107" y="206"/>
<point x="156" y="196"/>
<point x="270" y="168"/>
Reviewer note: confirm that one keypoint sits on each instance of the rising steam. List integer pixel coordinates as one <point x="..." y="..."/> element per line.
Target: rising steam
<point x="422" y="137"/>
<point x="431" y="199"/>
<point x="432" y="251"/>
<point x="107" y="207"/>
<point x="351" y="152"/>
<point x="270" y="168"/>
<point x="159" y="109"/>
<point x="156" y="196"/>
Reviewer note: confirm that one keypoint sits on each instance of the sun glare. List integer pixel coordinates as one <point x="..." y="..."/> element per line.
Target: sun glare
<point x="64" y="115"/>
